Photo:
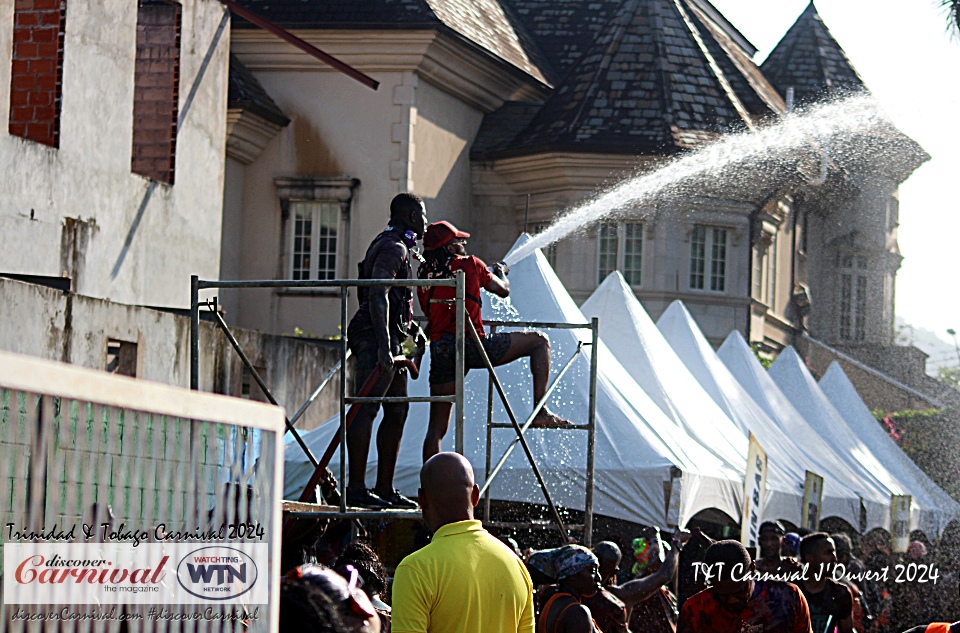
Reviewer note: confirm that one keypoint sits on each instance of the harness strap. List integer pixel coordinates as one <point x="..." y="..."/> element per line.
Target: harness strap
<point x="545" y="614"/>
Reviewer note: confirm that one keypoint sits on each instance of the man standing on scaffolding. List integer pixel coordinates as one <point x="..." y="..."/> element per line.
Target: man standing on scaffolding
<point x="445" y="253"/>
<point x="375" y="334"/>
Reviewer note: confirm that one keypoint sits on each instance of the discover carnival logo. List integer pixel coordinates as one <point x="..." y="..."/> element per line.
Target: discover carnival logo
<point x="152" y="573"/>
<point x="217" y="573"/>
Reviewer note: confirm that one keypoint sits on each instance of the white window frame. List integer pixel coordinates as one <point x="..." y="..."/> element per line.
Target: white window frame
<point x="710" y="272"/>
<point x="316" y="209"/>
<point x="852" y="297"/>
<point x="325" y="195"/>
<point x="620" y="241"/>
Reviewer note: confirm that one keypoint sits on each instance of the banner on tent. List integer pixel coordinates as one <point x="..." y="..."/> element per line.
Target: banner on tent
<point x="812" y="501"/>
<point x="754" y="487"/>
<point x="900" y="521"/>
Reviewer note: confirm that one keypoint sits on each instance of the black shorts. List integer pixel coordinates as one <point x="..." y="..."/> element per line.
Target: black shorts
<point x="443" y="352"/>
<point x="363" y="347"/>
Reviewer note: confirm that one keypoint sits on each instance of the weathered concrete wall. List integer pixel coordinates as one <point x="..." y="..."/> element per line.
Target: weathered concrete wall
<point x="71" y="328"/>
<point x="68" y="211"/>
<point x="444" y="130"/>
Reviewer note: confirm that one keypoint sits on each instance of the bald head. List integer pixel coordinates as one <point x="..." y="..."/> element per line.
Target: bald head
<point x="448" y="492"/>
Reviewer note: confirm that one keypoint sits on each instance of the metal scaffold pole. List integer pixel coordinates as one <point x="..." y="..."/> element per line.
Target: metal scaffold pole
<point x="194" y="332"/>
<point x="460" y="340"/>
<point x="591" y="431"/>
<point x="343" y="400"/>
<point x="464" y="328"/>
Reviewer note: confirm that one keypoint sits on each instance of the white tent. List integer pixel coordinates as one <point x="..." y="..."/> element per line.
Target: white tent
<point x="790" y="454"/>
<point x="743" y="364"/>
<point x="844" y="397"/>
<point x="636" y="342"/>
<point x="638" y="449"/>
<point x="793" y="378"/>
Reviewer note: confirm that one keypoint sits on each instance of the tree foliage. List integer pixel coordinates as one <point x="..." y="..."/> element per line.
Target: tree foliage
<point x="952" y="8"/>
<point x="931" y="438"/>
<point x="950" y="375"/>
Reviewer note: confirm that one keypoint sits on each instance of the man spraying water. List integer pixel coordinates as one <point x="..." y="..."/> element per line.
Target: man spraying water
<point x="445" y="253"/>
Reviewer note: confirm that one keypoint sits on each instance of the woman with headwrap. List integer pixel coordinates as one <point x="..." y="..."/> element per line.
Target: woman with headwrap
<point x="576" y="570"/>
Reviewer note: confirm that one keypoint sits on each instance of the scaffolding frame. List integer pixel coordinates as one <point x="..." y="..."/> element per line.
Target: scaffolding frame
<point x="463" y="327"/>
<point x="590" y="427"/>
<point x="343" y="285"/>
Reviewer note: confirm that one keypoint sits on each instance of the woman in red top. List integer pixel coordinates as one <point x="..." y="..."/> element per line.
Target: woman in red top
<point x="446" y="253"/>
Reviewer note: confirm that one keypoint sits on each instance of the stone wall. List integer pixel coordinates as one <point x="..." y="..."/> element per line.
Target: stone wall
<point x="876" y="389"/>
<point x="71" y="328"/>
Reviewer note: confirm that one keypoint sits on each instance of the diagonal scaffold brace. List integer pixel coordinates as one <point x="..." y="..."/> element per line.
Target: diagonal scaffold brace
<point x="529" y="422"/>
<point x="256" y="376"/>
<point x="516" y="425"/>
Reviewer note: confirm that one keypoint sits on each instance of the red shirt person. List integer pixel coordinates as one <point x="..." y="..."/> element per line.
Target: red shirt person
<point x="445" y="253"/>
<point x="936" y="627"/>
<point x="735" y="603"/>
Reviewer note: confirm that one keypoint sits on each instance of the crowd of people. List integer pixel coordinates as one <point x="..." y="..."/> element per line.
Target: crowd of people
<point x="468" y="581"/>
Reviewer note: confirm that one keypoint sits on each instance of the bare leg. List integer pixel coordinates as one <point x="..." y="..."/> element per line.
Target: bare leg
<point x="536" y="346"/>
<point x="439" y="419"/>
<point x="389" y="435"/>
<point x="360" y="431"/>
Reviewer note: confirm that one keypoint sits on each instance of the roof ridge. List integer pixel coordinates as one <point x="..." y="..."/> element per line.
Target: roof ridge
<point x="811" y="59"/>
<point x="608" y="53"/>
<point x="646" y="84"/>
<point x="830" y="40"/>
<point x="744" y="67"/>
<point x="714" y="66"/>
<point x="666" y="80"/>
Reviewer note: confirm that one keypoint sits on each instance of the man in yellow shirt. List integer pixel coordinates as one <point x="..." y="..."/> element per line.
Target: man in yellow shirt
<point x="465" y="580"/>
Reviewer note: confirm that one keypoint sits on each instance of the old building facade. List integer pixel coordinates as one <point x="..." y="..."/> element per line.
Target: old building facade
<point x="503" y="115"/>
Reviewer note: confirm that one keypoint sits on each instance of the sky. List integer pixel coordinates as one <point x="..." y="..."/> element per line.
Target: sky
<point x="911" y="64"/>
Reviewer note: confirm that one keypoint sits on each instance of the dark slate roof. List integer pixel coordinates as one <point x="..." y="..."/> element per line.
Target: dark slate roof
<point x="810" y="59"/>
<point x="246" y="93"/>
<point x="482" y="23"/>
<point x="501" y="126"/>
<point x="565" y="29"/>
<point x="646" y="85"/>
<point x="758" y="96"/>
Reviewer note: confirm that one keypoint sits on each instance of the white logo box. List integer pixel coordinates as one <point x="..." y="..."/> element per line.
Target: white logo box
<point x="150" y="573"/>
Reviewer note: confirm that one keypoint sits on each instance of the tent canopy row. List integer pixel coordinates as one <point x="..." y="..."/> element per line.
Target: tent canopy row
<point x="673" y="417"/>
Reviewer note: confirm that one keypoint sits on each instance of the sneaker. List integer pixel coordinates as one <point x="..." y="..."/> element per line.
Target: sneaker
<point x="365" y="498"/>
<point x="397" y="500"/>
